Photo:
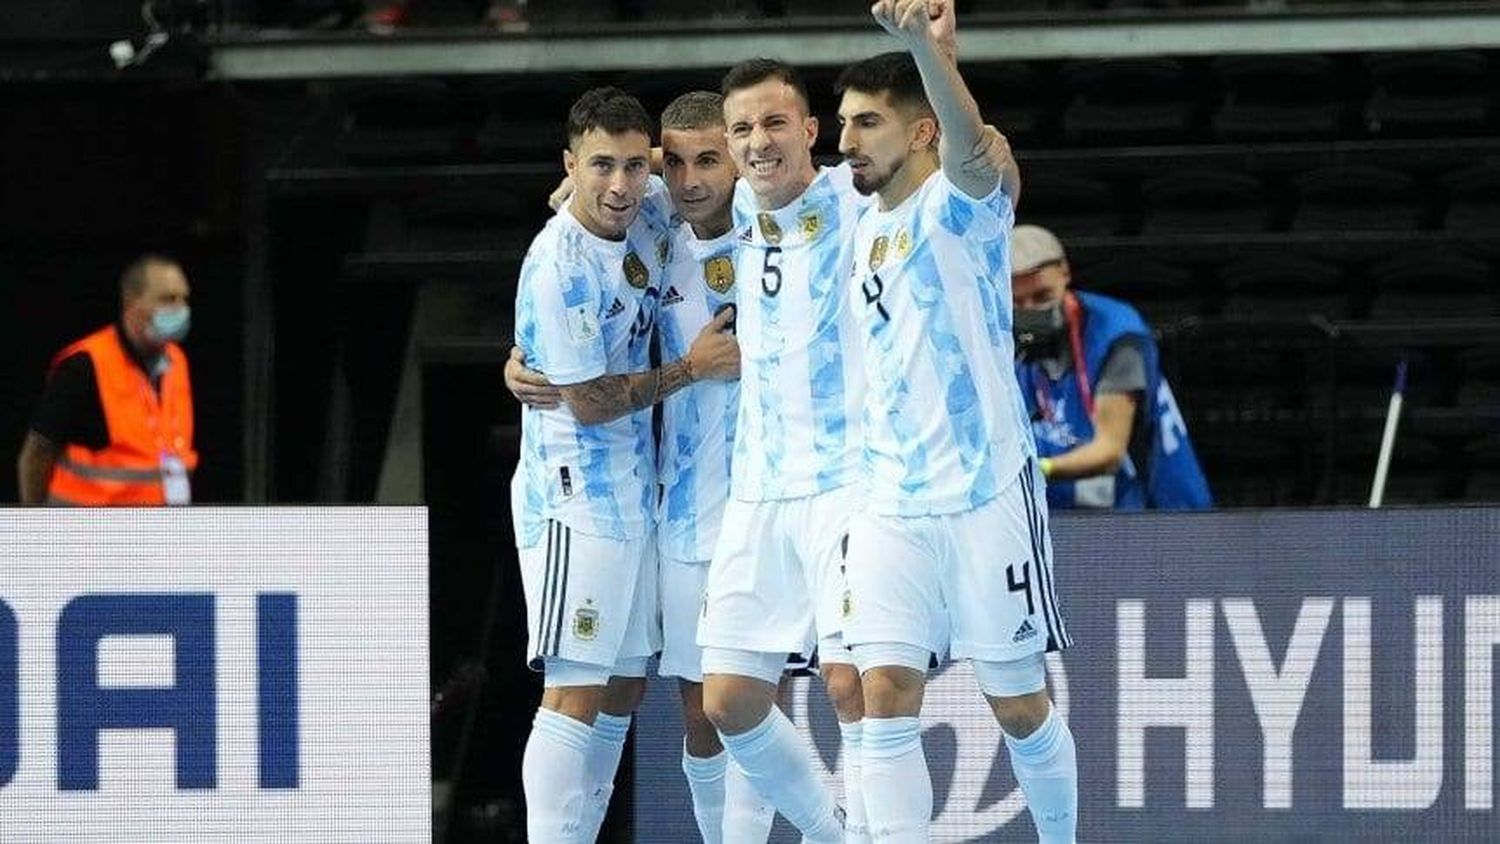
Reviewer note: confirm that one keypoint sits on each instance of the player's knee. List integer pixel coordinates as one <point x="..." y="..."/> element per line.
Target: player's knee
<point x="1020" y="716"/>
<point x="699" y="732"/>
<point x="736" y="704"/>
<point x="841" y="680"/>
<point x="1017" y="692"/>
<point x="893" y="691"/>
<point x="581" y="703"/>
<point x="623" y="695"/>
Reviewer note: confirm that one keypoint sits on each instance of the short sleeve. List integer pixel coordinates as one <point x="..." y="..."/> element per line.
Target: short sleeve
<point x="1124" y="370"/>
<point x="564" y="316"/>
<point x="965" y="216"/>
<point x="69" y="410"/>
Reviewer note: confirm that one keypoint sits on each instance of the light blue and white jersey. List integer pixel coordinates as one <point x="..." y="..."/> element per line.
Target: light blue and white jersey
<point x="697" y="431"/>
<point x="586" y="307"/>
<point x="944" y="425"/>
<point x="801" y="382"/>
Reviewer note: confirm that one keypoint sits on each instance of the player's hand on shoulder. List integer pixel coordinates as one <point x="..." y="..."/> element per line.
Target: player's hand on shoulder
<point x="560" y="194"/>
<point x="529" y="386"/>
<point x="996" y="147"/>
<point x="715" y="352"/>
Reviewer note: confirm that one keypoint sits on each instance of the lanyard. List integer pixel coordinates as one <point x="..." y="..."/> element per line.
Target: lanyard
<point x="1073" y="316"/>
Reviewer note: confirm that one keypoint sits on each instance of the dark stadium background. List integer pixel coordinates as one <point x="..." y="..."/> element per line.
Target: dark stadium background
<point x="1293" y="224"/>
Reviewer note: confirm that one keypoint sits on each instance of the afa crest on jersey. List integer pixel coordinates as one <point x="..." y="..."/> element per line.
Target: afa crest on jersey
<point x="636" y="272"/>
<point x="877" y="252"/>
<point x="903" y="244"/>
<point x="718" y="273"/>
<point x="812" y="225"/>
<point x="769" y="228"/>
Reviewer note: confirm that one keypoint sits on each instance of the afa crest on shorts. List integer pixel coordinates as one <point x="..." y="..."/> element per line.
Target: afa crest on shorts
<point x="718" y="274"/>
<point x="586" y="623"/>
<point x="636" y="272"/>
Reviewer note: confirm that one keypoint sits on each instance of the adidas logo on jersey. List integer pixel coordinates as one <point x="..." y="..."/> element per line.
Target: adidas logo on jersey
<point x="671" y="297"/>
<point x="1026" y="631"/>
<point x="615" y="310"/>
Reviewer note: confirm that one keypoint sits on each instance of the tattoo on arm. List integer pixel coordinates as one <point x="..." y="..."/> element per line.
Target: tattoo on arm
<point x="610" y="397"/>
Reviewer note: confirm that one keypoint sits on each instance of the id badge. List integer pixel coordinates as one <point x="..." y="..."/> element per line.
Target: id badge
<point x="174" y="481"/>
<point x="1098" y="491"/>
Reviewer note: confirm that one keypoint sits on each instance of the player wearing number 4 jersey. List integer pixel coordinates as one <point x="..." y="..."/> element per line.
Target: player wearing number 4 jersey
<point x="952" y="551"/>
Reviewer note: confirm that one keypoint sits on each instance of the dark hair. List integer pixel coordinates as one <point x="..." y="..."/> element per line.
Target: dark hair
<point x="755" y="71"/>
<point x="694" y="110"/>
<point x="609" y="109"/>
<point x="133" y="279"/>
<point x="893" y="74"/>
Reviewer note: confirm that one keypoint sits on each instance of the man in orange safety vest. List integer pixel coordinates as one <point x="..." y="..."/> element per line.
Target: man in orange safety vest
<point x="114" y="426"/>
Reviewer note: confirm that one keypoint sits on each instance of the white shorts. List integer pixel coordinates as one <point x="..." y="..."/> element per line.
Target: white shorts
<point x="589" y="599"/>
<point x="976" y="585"/>
<point x="776" y="584"/>
<point x="681" y="586"/>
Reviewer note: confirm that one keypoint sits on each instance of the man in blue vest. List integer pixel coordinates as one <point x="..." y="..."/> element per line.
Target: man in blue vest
<point x="1106" y="424"/>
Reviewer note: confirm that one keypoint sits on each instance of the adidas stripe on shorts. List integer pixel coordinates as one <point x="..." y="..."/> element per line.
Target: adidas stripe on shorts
<point x="589" y="599"/>
<point x="976" y="584"/>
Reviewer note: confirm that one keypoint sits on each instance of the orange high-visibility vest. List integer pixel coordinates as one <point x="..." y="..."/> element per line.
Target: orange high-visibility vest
<point x="145" y="429"/>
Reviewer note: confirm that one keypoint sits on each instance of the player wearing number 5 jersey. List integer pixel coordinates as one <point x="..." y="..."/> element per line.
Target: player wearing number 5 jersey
<point x="776" y="583"/>
<point x="952" y="551"/>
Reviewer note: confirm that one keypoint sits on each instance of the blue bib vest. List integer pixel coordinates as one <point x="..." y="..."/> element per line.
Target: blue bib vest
<point x="1165" y="474"/>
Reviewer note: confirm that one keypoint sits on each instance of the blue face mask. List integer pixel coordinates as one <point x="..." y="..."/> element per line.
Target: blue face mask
<point x="170" y="325"/>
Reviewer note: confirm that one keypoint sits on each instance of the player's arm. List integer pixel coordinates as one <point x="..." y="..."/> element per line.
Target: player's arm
<point x="714" y="354"/>
<point x="924" y="26"/>
<point x="1113" y="418"/>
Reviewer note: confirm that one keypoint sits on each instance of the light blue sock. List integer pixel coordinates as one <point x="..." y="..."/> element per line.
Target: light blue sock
<point x="748" y="817"/>
<point x="1046" y="765"/>
<point x="705" y="777"/>
<point x="779" y="764"/>
<point x="553" y="777"/>
<point x="856" y="830"/>
<point x="606" y="744"/>
<point x="897" y="785"/>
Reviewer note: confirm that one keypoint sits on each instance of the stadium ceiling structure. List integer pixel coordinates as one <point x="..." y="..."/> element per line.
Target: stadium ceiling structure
<point x="1324" y="29"/>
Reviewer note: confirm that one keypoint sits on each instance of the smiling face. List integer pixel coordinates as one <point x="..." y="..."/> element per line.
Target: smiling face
<point x="700" y="177"/>
<point x="879" y="141"/>
<point x="770" y="139"/>
<point x="609" y="173"/>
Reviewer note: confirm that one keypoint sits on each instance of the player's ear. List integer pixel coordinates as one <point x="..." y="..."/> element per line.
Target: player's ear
<point x="811" y="128"/>
<point x="570" y="161"/>
<point x="924" y="134"/>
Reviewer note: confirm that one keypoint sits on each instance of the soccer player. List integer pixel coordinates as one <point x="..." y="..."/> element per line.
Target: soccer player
<point x="697" y="434"/>
<point x="775" y="585"/>
<point x="583" y="495"/>
<point x="952" y="551"/>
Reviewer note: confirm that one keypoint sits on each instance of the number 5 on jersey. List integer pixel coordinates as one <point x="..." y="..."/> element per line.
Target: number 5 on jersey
<point x="770" y="273"/>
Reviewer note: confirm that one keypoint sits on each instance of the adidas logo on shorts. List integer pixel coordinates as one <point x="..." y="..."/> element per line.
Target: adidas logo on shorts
<point x="1026" y="631"/>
